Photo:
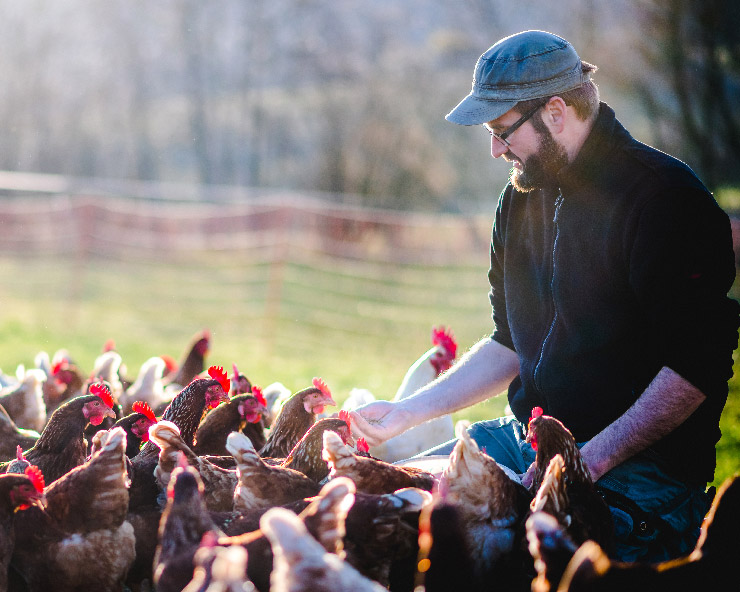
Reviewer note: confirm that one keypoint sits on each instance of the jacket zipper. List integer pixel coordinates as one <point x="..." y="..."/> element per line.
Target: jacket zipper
<point x="535" y="372"/>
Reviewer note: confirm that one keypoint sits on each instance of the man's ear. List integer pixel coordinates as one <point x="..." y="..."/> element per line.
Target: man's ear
<point x="554" y="114"/>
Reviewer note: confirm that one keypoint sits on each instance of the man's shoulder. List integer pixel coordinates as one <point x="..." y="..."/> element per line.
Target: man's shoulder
<point x="658" y="168"/>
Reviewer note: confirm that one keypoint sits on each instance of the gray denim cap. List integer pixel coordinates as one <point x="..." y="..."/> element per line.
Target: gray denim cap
<point x="528" y="65"/>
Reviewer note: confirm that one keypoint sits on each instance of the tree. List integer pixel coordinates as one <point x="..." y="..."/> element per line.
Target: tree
<point x="692" y="82"/>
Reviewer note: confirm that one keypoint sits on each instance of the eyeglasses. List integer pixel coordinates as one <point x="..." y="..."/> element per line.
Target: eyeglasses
<point x="515" y="126"/>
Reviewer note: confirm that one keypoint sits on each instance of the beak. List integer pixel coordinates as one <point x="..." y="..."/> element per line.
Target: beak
<point x="110" y="413"/>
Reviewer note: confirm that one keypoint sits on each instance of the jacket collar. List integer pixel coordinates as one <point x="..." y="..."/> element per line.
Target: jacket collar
<point x="605" y="134"/>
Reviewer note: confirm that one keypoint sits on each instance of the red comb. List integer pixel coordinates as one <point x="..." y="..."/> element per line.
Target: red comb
<point x="257" y="392"/>
<point x="346" y="417"/>
<point x="536" y="412"/>
<point x="36" y="477"/>
<point x="143" y="408"/>
<point x="169" y="362"/>
<point x="235" y="369"/>
<point x="321" y="385"/>
<point x="19" y="453"/>
<point x="109" y="345"/>
<point x="59" y="366"/>
<point x="218" y="373"/>
<point x="102" y="391"/>
<point x="362" y="445"/>
<point x="445" y="338"/>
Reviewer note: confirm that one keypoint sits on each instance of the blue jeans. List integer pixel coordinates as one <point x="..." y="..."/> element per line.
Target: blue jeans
<point x="656" y="517"/>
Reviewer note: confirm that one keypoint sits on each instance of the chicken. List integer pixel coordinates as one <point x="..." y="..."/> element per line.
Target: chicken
<point x="492" y="506"/>
<point x="136" y="425"/>
<point x="324" y="517"/>
<point x="83" y="524"/>
<point x="219" y="483"/>
<point x="302" y="564"/>
<point x="445" y="563"/>
<point x="296" y="416"/>
<point x="307" y="454"/>
<point x="105" y="368"/>
<point x="369" y="474"/>
<point x="712" y="563"/>
<point x="242" y="413"/>
<point x="551" y="548"/>
<point x="193" y="361"/>
<point x="64" y="382"/>
<point x="17" y="492"/>
<point x="24" y="401"/>
<point x="148" y="386"/>
<point x="569" y="492"/>
<point x="240" y="384"/>
<point x="262" y="486"/>
<point x="12" y="436"/>
<point x="276" y="394"/>
<point x="185" y="411"/>
<point x="62" y="446"/>
<point x="431" y="433"/>
<point x="381" y="541"/>
<point x="184" y="523"/>
<point x="19" y="465"/>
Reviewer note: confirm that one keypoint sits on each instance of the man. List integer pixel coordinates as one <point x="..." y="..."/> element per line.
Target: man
<point x="610" y="267"/>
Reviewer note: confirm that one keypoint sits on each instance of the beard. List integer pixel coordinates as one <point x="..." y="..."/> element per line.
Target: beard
<point x="541" y="169"/>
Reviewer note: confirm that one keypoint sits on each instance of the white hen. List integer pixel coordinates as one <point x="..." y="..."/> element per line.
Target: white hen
<point x="24" y="401"/>
<point x="147" y="387"/>
<point x="437" y="431"/>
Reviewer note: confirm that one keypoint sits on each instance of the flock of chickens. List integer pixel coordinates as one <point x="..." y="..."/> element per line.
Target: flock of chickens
<point x="189" y="479"/>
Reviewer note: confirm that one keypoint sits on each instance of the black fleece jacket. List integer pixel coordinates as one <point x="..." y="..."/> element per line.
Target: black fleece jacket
<point x="600" y="282"/>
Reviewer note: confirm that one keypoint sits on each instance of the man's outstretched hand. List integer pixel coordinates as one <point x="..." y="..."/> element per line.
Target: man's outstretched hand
<point x="379" y="421"/>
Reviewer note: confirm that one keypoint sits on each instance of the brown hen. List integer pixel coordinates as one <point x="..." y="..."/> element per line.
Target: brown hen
<point x="83" y="523"/>
<point x="296" y="416"/>
<point x="370" y="474"/>
<point x="62" y="445"/>
<point x="192" y="362"/>
<point x="492" y="507"/>
<point x="185" y="411"/>
<point x="219" y="483"/>
<point x="569" y="490"/>
<point x="307" y="454"/>
<point x="17" y="492"/>
<point x="710" y="564"/>
<point x="262" y="486"/>
<point x="184" y="522"/>
<point x="242" y="413"/>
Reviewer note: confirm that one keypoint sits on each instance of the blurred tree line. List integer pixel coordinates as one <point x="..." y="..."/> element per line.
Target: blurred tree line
<point x="346" y="98"/>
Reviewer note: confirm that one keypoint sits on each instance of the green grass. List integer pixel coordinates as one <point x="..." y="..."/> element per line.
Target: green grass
<point x="356" y="324"/>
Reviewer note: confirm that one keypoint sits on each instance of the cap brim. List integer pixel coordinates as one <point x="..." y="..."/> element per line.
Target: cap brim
<point x="475" y="111"/>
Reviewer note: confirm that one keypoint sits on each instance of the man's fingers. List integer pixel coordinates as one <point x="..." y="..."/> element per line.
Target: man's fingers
<point x="361" y="428"/>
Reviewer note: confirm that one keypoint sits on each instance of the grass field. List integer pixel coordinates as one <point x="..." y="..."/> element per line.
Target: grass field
<point x="354" y="324"/>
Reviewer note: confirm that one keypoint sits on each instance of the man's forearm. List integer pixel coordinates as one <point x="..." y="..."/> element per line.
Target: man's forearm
<point x="483" y="372"/>
<point x="664" y="405"/>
